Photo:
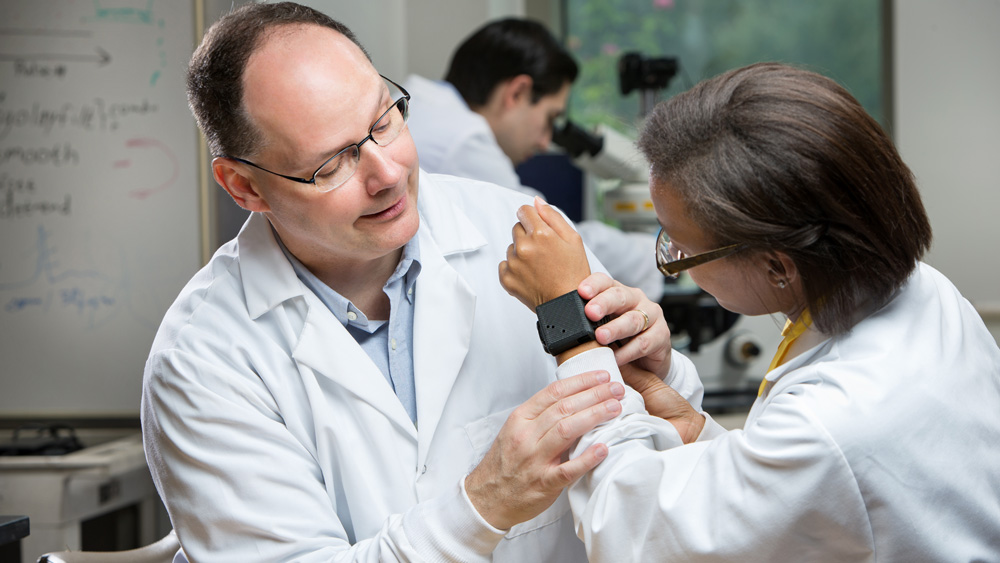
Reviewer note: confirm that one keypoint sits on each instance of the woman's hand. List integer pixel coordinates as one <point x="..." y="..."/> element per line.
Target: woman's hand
<point x="547" y="258"/>
<point x="637" y="323"/>
<point x="662" y="401"/>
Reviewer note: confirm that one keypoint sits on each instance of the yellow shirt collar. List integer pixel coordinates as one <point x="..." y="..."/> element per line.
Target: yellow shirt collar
<point x="789" y="334"/>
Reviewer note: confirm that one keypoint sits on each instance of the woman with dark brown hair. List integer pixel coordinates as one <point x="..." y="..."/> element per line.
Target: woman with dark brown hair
<point x="874" y="434"/>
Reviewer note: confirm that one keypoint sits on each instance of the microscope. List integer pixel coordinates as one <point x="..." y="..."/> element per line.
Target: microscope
<point x="648" y="75"/>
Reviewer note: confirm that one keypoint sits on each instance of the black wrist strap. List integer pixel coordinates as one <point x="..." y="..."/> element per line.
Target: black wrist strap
<point x="563" y="324"/>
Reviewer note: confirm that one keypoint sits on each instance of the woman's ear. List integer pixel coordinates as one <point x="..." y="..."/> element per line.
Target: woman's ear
<point x="782" y="271"/>
<point x="235" y="179"/>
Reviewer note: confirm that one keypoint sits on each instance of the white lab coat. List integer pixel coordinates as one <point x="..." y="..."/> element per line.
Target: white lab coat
<point x="453" y="139"/>
<point x="877" y="445"/>
<point x="272" y="436"/>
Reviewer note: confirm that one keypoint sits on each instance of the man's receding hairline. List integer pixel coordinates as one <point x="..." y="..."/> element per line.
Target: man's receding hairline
<point x="289" y="28"/>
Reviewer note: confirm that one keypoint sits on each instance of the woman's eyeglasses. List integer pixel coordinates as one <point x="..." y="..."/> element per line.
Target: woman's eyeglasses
<point x="671" y="261"/>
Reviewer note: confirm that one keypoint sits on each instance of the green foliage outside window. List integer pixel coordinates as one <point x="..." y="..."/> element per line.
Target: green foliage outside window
<point x="838" y="38"/>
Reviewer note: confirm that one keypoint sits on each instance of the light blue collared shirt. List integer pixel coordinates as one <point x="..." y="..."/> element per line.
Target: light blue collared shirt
<point x="388" y="343"/>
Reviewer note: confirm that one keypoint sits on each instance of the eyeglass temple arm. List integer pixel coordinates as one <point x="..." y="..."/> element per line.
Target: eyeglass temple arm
<point x="678" y="266"/>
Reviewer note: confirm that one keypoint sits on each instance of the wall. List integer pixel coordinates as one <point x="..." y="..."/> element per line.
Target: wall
<point x="380" y="25"/>
<point x="430" y="41"/>
<point x="415" y="36"/>
<point x="947" y="127"/>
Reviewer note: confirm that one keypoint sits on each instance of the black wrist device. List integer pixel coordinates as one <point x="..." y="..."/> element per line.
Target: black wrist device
<point x="562" y="323"/>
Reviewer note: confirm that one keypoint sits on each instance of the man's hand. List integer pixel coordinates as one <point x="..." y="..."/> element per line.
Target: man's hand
<point x="662" y="401"/>
<point x="546" y="259"/>
<point x="647" y="344"/>
<point x="523" y="472"/>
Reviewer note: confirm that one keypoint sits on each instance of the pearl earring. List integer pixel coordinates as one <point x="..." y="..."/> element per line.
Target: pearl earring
<point x="782" y="284"/>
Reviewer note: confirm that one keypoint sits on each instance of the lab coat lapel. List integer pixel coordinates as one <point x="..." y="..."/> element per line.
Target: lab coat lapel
<point x="268" y="277"/>
<point x="442" y="330"/>
<point x="323" y="344"/>
<point x="445" y="306"/>
<point x="328" y="349"/>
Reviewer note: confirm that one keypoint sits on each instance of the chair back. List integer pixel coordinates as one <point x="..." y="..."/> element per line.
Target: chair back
<point x="162" y="551"/>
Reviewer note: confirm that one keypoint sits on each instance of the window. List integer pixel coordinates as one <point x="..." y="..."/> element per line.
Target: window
<point x="841" y="39"/>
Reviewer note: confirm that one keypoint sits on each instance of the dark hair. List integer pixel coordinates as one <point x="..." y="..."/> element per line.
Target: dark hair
<point x="215" y="73"/>
<point x="783" y="159"/>
<point x="506" y="48"/>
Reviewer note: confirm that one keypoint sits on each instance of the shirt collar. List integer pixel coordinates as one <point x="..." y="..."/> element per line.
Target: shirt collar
<point x="407" y="269"/>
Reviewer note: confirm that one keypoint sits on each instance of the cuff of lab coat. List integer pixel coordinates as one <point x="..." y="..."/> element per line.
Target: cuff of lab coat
<point x="450" y="529"/>
<point x="683" y="378"/>
<point x="711" y="430"/>
<point x="602" y="358"/>
<point x="680" y="365"/>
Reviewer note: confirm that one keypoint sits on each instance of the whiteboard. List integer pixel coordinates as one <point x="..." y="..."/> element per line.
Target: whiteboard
<point x="99" y="197"/>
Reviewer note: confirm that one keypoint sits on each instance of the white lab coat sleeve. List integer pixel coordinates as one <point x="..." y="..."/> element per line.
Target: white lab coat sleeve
<point x="683" y="378"/>
<point x="211" y="431"/>
<point x="771" y="493"/>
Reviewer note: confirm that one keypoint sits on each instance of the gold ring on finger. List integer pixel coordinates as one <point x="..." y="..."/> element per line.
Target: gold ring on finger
<point x="645" y="320"/>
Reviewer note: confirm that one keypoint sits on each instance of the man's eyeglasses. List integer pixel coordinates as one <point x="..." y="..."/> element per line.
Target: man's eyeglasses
<point x="672" y="261"/>
<point x="340" y="167"/>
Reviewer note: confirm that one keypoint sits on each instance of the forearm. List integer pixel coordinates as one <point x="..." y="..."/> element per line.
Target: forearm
<point x="634" y="422"/>
<point x="446" y="527"/>
<point x="593" y="357"/>
<point x="668" y="498"/>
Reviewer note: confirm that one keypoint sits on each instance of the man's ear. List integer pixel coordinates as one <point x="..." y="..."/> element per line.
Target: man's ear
<point x="233" y="178"/>
<point x="517" y="91"/>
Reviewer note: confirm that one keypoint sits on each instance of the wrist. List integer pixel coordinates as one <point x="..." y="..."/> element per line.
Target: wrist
<point x="485" y="500"/>
<point x="552" y="295"/>
<point x="560" y="358"/>
<point x="563" y="324"/>
<point x="691" y="428"/>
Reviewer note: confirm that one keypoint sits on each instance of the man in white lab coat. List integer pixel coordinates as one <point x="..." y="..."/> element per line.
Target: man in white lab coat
<point x="506" y="84"/>
<point x="347" y="379"/>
